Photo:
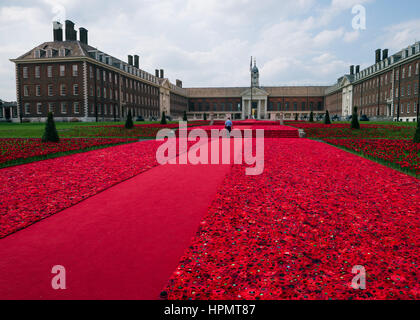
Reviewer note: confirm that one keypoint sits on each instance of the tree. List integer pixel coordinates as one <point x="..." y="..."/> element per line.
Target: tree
<point x="311" y="117"/>
<point x="417" y="135"/>
<point x="163" y="120"/>
<point x="355" y="119"/>
<point x="50" y="133"/>
<point x="205" y="116"/>
<point x="129" y="122"/>
<point x="327" y="119"/>
<point x="296" y="117"/>
<point x="185" y="118"/>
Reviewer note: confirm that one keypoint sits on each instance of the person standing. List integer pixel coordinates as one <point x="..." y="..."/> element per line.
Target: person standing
<point x="228" y="126"/>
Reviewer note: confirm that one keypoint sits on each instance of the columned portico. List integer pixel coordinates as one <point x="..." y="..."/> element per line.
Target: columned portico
<point x="258" y="108"/>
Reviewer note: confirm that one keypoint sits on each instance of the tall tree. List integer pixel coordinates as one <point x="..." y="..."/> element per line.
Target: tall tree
<point x="50" y="133"/>
<point x="327" y="119"/>
<point x="355" y="119"/>
<point x="205" y="116"/>
<point x="296" y="117"/>
<point x="129" y="122"/>
<point x="185" y="118"/>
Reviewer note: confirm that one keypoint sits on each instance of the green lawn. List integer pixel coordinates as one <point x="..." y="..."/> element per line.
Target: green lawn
<point x="35" y="130"/>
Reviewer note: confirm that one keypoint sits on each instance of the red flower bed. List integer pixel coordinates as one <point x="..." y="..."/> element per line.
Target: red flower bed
<point x="296" y="231"/>
<point x="16" y="148"/>
<point x="404" y="153"/>
<point x="342" y="130"/>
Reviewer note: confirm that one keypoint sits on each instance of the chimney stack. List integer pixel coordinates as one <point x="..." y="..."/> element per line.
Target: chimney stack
<point x="83" y="35"/>
<point x="157" y="73"/>
<point x="57" y="31"/>
<point x="136" y="61"/>
<point x="71" y="34"/>
<point x="351" y="70"/>
<point x="377" y="55"/>
<point x="162" y="74"/>
<point x="130" y="60"/>
<point x="384" y="54"/>
<point x="357" y="69"/>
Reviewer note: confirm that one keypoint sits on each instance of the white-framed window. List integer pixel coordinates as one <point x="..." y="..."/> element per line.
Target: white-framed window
<point x="116" y="94"/>
<point x="415" y="108"/>
<point x="417" y="68"/>
<point x="63" y="107"/>
<point x="408" y="90"/>
<point x="116" y="79"/>
<point x="25" y="73"/>
<point x="91" y="72"/>
<point x="63" y="90"/>
<point x="92" y="109"/>
<point x="51" y="107"/>
<point x="104" y="75"/>
<point x="98" y="74"/>
<point x="76" y="106"/>
<point x="50" y="90"/>
<point x="409" y="71"/>
<point x="105" y="108"/>
<point x="26" y="91"/>
<point x="62" y="71"/>
<point x="402" y="91"/>
<point x="92" y="92"/>
<point x="37" y="54"/>
<point x="38" y="90"/>
<point x="98" y="92"/>
<point x="76" y="89"/>
<point x="403" y="73"/>
<point x="110" y="77"/>
<point x="50" y="71"/>
<point x="27" y="108"/>
<point x="110" y="94"/>
<point x="408" y="107"/>
<point x="75" y="70"/>
<point x="402" y="108"/>
<point x="37" y="72"/>
<point x="49" y="53"/>
<point x="105" y="93"/>
<point x="39" y="108"/>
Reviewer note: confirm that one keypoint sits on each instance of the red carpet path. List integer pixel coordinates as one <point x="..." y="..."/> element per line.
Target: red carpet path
<point x="126" y="249"/>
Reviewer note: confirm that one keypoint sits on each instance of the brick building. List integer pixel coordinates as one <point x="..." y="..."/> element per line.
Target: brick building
<point x="78" y="82"/>
<point x="387" y="90"/>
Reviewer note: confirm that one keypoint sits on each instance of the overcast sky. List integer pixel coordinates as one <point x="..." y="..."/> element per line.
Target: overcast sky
<point x="209" y="42"/>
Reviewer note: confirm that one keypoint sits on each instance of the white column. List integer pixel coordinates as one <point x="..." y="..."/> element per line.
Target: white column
<point x="259" y="109"/>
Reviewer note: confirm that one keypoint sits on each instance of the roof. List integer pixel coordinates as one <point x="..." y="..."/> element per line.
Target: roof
<point x="236" y="92"/>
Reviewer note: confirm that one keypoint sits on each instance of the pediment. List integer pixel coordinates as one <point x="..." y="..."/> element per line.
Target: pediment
<point x="257" y="92"/>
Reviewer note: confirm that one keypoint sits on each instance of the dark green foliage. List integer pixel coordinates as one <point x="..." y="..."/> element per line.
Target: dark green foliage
<point x="355" y="119"/>
<point x="417" y="135"/>
<point x="327" y="119"/>
<point x="311" y="117"/>
<point x="50" y="133"/>
<point x="296" y="117"/>
<point x="205" y="116"/>
<point x="163" y="120"/>
<point x="129" y="122"/>
<point x="185" y="118"/>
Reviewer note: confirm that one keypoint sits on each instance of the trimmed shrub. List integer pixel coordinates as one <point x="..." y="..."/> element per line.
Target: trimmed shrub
<point x="327" y="119"/>
<point x="50" y="133"/>
<point x="163" y="120"/>
<point x="417" y="134"/>
<point x="355" y="120"/>
<point x="129" y="122"/>
<point x="311" y="117"/>
<point x="185" y="118"/>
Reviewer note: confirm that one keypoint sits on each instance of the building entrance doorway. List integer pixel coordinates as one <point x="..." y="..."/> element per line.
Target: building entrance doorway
<point x="254" y="109"/>
<point x="7" y="113"/>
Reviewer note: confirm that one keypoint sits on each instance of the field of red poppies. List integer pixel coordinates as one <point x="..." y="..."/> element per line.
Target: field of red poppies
<point x="403" y="153"/>
<point x="12" y="149"/>
<point x="342" y="130"/>
<point x="296" y="231"/>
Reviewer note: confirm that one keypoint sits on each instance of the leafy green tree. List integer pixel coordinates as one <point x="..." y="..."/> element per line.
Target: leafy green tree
<point x="417" y="135"/>
<point x="129" y="122"/>
<point x="327" y="119"/>
<point x="185" y="118"/>
<point x="163" y="120"/>
<point x="205" y="116"/>
<point x="311" y="117"/>
<point x="296" y="117"/>
<point x="50" y="133"/>
<point x="355" y="119"/>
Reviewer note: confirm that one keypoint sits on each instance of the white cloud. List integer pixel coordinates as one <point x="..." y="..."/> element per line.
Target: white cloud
<point x="401" y="35"/>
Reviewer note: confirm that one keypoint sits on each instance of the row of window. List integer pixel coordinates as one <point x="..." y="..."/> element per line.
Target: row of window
<point x="271" y="106"/>
<point x="64" y="108"/>
<point x="63" y="90"/>
<point x="406" y="108"/>
<point x="50" y="69"/>
<point x="215" y="106"/>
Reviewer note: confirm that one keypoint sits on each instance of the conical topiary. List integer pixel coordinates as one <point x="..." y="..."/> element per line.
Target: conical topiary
<point x="355" y="119"/>
<point x="311" y="117"/>
<point x="205" y="116"/>
<point x="50" y="133"/>
<point x="327" y="119"/>
<point x="163" y="120"/>
<point x="417" y="134"/>
<point x="296" y="117"/>
<point x="185" y="118"/>
<point x="129" y="122"/>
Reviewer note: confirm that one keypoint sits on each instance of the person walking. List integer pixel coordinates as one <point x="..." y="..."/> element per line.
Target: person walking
<point x="228" y="126"/>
